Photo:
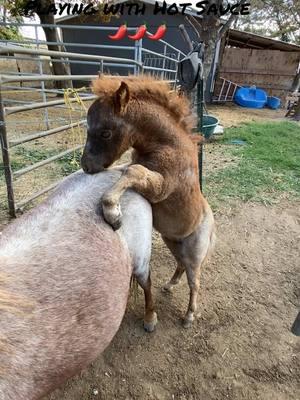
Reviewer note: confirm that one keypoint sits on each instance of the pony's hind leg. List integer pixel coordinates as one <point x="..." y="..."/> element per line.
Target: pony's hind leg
<point x="190" y="253"/>
<point x="168" y="287"/>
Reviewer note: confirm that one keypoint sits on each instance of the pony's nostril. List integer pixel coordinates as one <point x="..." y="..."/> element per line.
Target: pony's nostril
<point x="85" y="168"/>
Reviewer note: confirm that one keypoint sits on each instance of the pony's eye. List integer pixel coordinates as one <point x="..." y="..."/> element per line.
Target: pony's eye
<point x="106" y="134"/>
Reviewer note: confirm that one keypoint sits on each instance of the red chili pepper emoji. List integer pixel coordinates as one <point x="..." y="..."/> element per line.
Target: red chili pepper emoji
<point x="161" y="30"/>
<point x="140" y="33"/>
<point x="120" y="34"/>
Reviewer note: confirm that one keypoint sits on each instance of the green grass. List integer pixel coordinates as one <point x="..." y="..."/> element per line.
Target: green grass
<point x="70" y="163"/>
<point x="24" y="156"/>
<point x="268" y="164"/>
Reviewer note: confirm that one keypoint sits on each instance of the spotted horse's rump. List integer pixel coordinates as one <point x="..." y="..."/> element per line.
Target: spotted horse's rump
<point x="64" y="281"/>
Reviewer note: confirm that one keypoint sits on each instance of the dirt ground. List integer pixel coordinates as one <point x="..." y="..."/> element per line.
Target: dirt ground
<point x="231" y="115"/>
<point x="240" y="346"/>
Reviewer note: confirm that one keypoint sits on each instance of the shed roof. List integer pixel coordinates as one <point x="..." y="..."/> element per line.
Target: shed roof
<point x="250" y="40"/>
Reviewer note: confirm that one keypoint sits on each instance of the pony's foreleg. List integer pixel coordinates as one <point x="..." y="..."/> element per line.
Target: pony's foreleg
<point x="120" y="167"/>
<point x="148" y="183"/>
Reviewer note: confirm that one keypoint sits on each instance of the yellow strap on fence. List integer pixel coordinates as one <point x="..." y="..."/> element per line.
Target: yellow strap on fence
<point x="68" y="95"/>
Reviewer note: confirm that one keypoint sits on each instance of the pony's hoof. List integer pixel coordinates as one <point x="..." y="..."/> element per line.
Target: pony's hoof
<point x="150" y="326"/>
<point x="167" y="288"/>
<point x="116" y="225"/>
<point x="113" y="216"/>
<point x="187" y="322"/>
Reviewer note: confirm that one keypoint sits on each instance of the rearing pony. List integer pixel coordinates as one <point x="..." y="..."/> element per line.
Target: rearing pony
<point x="143" y="114"/>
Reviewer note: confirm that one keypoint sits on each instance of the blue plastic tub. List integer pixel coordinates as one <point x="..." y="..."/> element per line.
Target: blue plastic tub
<point x="251" y="97"/>
<point x="273" y="102"/>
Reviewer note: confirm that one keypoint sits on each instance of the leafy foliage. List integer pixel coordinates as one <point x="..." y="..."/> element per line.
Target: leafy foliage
<point x="10" y="33"/>
<point x="276" y="18"/>
<point x="16" y="7"/>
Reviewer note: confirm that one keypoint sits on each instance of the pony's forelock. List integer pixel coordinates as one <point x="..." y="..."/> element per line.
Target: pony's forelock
<point x="150" y="89"/>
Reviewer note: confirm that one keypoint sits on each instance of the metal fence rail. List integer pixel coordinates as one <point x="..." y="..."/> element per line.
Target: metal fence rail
<point x="38" y="135"/>
<point x="8" y="110"/>
<point x="135" y="52"/>
<point x="5" y="143"/>
<point x="78" y="56"/>
<point x="140" y="59"/>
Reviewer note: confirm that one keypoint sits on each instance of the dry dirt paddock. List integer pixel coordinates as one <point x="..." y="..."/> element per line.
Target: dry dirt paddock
<point x="240" y="346"/>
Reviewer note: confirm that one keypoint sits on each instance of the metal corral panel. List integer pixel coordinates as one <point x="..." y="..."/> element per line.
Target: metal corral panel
<point x="91" y="37"/>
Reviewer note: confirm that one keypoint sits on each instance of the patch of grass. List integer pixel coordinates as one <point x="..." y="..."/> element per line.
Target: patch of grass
<point x="70" y="163"/>
<point x="32" y="155"/>
<point x="24" y="156"/>
<point x="268" y="166"/>
<point x="21" y="157"/>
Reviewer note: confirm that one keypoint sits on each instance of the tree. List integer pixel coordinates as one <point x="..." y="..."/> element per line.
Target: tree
<point x="212" y="28"/>
<point x="8" y="32"/>
<point x="277" y="18"/>
<point x="21" y="8"/>
<point x="28" y="8"/>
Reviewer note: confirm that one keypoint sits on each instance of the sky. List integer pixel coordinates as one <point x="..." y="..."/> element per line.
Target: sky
<point x="30" y="31"/>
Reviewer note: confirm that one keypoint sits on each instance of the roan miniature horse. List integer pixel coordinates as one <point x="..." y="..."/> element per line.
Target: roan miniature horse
<point x="64" y="281"/>
<point x="143" y="114"/>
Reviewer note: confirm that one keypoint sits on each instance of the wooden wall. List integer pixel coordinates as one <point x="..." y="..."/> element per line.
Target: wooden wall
<point x="271" y="70"/>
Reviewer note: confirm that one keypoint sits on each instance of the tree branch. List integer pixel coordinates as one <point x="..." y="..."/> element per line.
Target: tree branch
<point x="230" y="21"/>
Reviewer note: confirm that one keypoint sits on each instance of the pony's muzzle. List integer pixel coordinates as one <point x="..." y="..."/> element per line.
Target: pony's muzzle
<point x="89" y="165"/>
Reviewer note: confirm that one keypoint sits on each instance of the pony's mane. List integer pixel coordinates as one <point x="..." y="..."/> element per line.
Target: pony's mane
<point x="149" y="89"/>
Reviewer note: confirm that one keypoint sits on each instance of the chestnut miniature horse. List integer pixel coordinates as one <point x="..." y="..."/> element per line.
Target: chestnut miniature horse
<point x="143" y="114"/>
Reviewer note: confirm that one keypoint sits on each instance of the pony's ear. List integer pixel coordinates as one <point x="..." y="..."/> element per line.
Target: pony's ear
<point x="121" y="98"/>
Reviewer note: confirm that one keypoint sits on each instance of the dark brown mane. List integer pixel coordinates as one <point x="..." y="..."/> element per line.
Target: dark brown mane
<point x="149" y="89"/>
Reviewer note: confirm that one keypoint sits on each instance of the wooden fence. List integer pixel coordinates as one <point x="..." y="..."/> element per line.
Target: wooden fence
<point x="271" y="70"/>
